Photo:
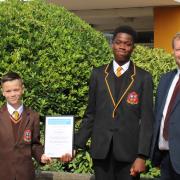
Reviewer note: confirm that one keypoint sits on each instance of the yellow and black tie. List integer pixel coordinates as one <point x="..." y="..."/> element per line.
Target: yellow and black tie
<point x="15" y="115"/>
<point x="119" y="71"/>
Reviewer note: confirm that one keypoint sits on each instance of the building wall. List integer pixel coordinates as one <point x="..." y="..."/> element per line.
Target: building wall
<point x="166" y="24"/>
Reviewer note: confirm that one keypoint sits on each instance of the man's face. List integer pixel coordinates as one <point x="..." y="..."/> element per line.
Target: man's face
<point x="122" y="47"/>
<point x="12" y="91"/>
<point x="176" y="51"/>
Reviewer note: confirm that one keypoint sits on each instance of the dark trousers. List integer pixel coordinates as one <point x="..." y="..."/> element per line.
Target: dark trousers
<point x="167" y="171"/>
<point x="111" y="169"/>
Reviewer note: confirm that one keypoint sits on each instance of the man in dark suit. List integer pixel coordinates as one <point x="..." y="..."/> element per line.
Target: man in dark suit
<point x="166" y="140"/>
<point x="119" y="114"/>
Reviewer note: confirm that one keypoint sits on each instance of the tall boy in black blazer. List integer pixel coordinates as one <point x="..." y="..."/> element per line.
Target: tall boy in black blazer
<point x="119" y="115"/>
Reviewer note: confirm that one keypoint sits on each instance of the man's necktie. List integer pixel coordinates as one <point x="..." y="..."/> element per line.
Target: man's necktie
<point x="15" y="115"/>
<point x="169" y="110"/>
<point x="119" y="71"/>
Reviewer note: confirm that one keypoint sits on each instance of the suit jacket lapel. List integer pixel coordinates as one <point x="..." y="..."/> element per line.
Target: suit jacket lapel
<point x="7" y="122"/>
<point x="24" y="121"/>
<point x="126" y="85"/>
<point x="126" y="82"/>
<point x="109" y="79"/>
<point x="166" y="88"/>
<point x="176" y="102"/>
<point x="110" y="82"/>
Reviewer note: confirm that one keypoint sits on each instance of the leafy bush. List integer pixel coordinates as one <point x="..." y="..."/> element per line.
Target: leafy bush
<point x="156" y="61"/>
<point x="54" y="51"/>
<point x="151" y="171"/>
<point x="82" y="163"/>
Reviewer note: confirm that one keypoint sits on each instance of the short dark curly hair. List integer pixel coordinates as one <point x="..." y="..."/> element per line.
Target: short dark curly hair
<point x="125" y="29"/>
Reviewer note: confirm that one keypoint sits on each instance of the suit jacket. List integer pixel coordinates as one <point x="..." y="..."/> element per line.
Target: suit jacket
<point x="127" y="121"/>
<point x="174" y="123"/>
<point x="16" y="156"/>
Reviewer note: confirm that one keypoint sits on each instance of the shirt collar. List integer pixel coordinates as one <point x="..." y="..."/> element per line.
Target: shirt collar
<point x="124" y="66"/>
<point x="178" y="71"/>
<point x="11" y="109"/>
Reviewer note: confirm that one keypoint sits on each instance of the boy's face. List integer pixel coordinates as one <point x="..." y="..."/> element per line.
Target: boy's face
<point x="12" y="91"/>
<point x="122" y="47"/>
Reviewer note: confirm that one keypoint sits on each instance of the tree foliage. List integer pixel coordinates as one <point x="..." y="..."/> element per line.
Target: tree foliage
<point x="156" y="61"/>
<point x="54" y="51"/>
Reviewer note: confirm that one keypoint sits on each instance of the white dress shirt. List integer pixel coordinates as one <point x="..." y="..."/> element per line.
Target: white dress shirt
<point x="124" y="66"/>
<point x="11" y="109"/>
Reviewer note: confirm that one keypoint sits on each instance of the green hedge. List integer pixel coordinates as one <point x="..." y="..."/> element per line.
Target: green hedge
<point x="156" y="61"/>
<point x="54" y="51"/>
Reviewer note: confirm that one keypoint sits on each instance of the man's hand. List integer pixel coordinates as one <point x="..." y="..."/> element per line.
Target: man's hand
<point x="137" y="167"/>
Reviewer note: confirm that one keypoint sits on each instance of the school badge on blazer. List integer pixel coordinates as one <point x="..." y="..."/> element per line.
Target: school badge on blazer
<point x="27" y="135"/>
<point x="133" y="98"/>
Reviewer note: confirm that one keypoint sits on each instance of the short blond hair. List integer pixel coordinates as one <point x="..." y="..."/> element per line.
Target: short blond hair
<point x="176" y="37"/>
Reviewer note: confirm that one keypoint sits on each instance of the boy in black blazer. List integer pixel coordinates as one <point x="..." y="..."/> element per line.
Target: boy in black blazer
<point x="119" y="115"/>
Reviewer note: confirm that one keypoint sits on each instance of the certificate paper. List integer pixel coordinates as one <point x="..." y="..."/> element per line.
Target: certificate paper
<point x="59" y="135"/>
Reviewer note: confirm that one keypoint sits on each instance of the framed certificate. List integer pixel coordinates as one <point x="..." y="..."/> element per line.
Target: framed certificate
<point x="59" y="133"/>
